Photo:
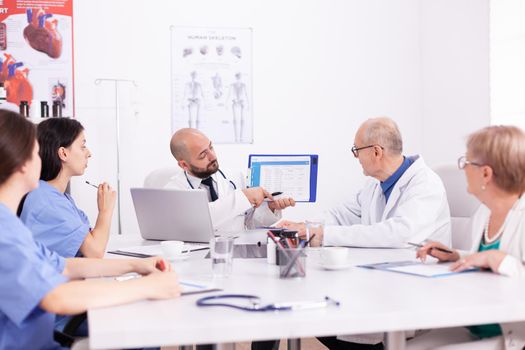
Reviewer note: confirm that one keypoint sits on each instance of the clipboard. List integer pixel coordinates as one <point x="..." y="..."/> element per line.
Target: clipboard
<point x="293" y="174"/>
<point x="417" y="268"/>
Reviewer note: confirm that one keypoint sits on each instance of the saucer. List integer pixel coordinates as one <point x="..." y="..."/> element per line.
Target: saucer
<point x="336" y="267"/>
<point x="180" y="257"/>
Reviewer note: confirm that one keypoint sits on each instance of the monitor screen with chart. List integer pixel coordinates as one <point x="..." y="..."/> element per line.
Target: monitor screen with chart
<point x="293" y="174"/>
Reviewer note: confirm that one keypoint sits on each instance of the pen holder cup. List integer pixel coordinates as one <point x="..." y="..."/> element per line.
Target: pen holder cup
<point x="292" y="239"/>
<point x="292" y="263"/>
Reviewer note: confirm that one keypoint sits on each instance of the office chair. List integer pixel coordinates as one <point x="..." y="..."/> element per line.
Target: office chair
<point x="67" y="337"/>
<point x="82" y="344"/>
<point x="160" y="177"/>
<point x="462" y="204"/>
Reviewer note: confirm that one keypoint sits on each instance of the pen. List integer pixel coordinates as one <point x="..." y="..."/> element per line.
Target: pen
<point x="201" y="291"/>
<point x="90" y="184"/>
<point x="135" y="255"/>
<point x="308" y="241"/>
<point x="436" y="248"/>
<point x="195" y="249"/>
<point x="273" y="194"/>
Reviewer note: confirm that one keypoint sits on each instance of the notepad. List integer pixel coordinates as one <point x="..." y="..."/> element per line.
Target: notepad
<point x="417" y="268"/>
<point x="188" y="287"/>
<point x="144" y="251"/>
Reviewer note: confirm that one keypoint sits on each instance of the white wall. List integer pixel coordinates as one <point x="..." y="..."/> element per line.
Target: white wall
<point x="507" y="62"/>
<point x="455" y="75"/>
<point x="320" y="68"/>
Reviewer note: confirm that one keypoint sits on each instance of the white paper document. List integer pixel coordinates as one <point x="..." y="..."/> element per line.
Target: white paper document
<point x="188" y="287"/>
<point x="417" y="268"/>
<point x="196" y="287"/>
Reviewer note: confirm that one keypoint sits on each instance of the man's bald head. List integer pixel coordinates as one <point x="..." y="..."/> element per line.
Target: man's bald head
<point x="182" y="140"/>
<point x="384" y="132"/>
<point x="194" y="152"/>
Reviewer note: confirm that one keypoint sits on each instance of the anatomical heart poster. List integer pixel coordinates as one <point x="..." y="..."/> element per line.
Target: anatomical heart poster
<point x="211" y="82"/>
<point x="36" y="55"/>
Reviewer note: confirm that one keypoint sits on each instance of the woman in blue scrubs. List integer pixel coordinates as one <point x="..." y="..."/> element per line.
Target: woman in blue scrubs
<point x="49" y="212"/>
<point x="36" y="282"/>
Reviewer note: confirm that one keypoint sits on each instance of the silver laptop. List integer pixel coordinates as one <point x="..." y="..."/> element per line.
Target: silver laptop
<point x="165" y="214"/>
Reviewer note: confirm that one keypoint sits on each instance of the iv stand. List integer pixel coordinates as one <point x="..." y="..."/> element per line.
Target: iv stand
<point x="117" y="118"/>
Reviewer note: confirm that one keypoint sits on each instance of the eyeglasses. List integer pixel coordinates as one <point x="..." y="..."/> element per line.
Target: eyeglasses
<point x="463" y="162"/>
<point x="355" y="150"/>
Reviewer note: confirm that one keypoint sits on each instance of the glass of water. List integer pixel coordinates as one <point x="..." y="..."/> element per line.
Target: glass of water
<point x="313" y="226"/>
<point x="221" y="251"/>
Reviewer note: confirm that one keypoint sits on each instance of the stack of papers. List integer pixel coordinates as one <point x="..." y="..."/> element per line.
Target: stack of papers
<point x="416" y="268"/>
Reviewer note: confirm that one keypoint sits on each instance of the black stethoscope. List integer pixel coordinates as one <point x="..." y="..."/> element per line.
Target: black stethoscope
<point x="219" y="170"/>
<point x="254" y="303"/>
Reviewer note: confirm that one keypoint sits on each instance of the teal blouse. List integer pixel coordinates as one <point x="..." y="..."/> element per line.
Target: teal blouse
<point x="486" y="330"/>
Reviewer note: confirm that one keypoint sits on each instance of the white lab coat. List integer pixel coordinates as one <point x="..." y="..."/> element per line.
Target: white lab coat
<point x="231" y="211"/>
<point x="512" y="243"/>
<point x="417" y="209"/>
<point x="512" y="240"/>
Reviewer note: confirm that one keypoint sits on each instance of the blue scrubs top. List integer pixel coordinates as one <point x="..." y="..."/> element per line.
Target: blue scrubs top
<point x="55" y="220"/>
<point x="389" y="183"/>
<point x="28" y="271"/>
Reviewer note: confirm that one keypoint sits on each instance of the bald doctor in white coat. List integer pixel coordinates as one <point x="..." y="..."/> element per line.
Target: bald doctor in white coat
<point x="233" y="207"/>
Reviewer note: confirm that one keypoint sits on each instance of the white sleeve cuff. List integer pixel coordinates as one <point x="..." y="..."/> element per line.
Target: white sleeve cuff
<point x="463" y="253"/>
<point x="510" y="266"/>
<point x="243" y="201"/>
<point x="331" y="236"/>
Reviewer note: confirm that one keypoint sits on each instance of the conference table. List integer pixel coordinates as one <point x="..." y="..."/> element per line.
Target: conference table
<point x="370" y="301"/>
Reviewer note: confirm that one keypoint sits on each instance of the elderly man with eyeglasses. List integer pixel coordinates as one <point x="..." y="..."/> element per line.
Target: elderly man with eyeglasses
<point x="405" y="201"/>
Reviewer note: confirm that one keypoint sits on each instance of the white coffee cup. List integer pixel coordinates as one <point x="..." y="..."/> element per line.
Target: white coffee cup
<point x="172" y="248"/>
<point x="334" y="256"/>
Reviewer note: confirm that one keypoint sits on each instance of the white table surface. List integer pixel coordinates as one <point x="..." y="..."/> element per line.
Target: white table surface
<point x="371" y="301"/>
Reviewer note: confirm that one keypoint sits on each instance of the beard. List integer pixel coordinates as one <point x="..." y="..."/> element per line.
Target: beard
<point x="211" y="169"/>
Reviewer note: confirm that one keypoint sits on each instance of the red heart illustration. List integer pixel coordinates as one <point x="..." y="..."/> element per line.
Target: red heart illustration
<point x="41" y="33"/>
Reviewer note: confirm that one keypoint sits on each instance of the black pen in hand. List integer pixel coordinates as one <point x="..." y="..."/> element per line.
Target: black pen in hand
<point x="272" y="194"/>
<point x="436" y="248"/>
<point x="90" y="184"/>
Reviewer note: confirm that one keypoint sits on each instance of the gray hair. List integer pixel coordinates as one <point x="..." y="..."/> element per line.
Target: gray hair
<point x="385" y="133"/>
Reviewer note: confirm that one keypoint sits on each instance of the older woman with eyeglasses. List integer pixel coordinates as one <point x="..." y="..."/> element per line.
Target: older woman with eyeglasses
<point x="494" y="165"/>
